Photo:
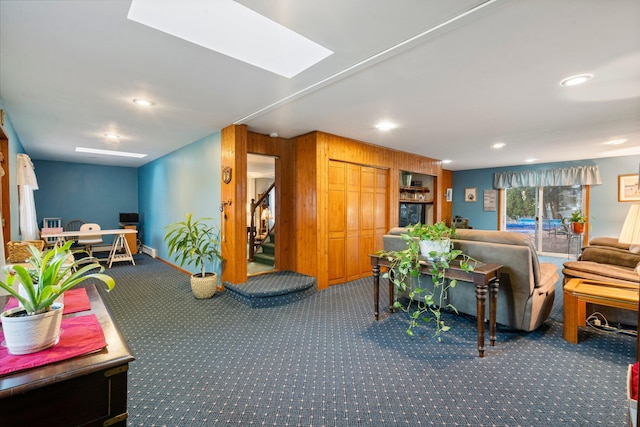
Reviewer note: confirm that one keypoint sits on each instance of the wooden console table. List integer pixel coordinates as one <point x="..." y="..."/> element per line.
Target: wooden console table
<point x="89" y="390"/>
<point x="484" y="277"/>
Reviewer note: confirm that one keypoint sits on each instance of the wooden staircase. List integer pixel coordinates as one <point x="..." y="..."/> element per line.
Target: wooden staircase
<point x="267" y="256"/>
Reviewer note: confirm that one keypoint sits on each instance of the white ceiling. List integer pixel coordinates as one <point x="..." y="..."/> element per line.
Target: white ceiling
<point x="454" y="82"/>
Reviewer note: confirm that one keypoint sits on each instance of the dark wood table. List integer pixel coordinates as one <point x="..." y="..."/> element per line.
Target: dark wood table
<point x="484" y="277"/>
<point x="89" y="390"/>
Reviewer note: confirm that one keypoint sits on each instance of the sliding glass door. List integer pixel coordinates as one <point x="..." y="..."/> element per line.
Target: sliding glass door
<point x="538" y="212"/>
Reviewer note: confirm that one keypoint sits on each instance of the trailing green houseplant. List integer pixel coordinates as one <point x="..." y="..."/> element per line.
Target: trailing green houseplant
<point x="425" y="305"/>
<point x="194" y="241"/>
<point x="35" y="324"/>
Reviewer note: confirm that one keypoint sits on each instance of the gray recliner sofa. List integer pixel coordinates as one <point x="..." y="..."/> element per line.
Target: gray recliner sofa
<point x="527" y="287"/>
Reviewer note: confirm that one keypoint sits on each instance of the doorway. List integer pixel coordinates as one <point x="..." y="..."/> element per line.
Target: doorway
<point x="261" y="214"/>
<point x="538" y="212"/>
<point x="5" y="219"/>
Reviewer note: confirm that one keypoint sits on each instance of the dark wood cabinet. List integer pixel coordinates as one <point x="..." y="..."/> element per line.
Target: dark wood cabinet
<point x="89" y="390"/>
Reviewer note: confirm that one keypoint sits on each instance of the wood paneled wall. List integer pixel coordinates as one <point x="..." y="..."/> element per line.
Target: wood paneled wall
<point x="304" y="197"/>
<point x="447" y="207"/>
<point x="233" y="227"/>
<point x="315" y="151"/>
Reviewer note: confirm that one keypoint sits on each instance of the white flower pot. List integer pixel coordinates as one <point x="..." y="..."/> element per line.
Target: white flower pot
<point x="23" y="293"/>
<point x="204" y="287"/>
<point x="30" y="334"/>
<point x="427" y="247"/>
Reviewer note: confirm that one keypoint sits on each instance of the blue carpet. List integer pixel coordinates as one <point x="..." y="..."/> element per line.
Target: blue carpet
<point x="269" y="290"/>
<point x="325" y="361"/>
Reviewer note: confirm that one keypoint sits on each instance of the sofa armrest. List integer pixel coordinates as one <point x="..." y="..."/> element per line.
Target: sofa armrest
<point x="597" y="271"/>
<point x="609" y="256"/>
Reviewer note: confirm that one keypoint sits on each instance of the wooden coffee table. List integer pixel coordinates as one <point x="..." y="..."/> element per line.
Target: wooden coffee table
<point x="578" y="292"/>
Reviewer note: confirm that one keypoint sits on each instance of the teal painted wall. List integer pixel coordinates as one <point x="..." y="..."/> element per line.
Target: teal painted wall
<point x="92" y="193"/>
<point x="186" y="180"/>
<point x="607" y="213"/>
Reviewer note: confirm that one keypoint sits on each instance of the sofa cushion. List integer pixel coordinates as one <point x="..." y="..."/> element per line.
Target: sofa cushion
<point x="597" y="271"/>
<point x="507" y="238"/>
<point x="610" y="256"/>
<point x="608" y="241"/>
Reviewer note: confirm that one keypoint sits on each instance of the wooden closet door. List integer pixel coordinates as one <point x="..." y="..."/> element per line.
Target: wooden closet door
<point x="380" y="213"/>
<point x="358" y="213"/>
<point x="353" y="221"/>
<point x="337" y="222"/>
<point x="367" y="217"/>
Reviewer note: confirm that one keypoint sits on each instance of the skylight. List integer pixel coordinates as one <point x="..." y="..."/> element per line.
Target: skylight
<point x="109" y="152"/>
<point x="232" y="29"/>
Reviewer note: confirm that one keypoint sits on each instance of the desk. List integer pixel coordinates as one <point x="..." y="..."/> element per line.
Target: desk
<point x="578" y="292"/>
<point x="484" y="276"/>
<point x="119" y="242"/>
<point x="89" y="390"/>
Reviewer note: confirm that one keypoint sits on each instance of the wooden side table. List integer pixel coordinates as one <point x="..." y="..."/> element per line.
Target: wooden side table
<point x="578" y="292"/>
<point x="484" y="277"/>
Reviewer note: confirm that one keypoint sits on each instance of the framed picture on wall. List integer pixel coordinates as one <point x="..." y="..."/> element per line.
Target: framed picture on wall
<point x="490" y="200"/>
<point x="470" y="194"/>
<point x="628" y="188"/>
<point x="448" y="196"/>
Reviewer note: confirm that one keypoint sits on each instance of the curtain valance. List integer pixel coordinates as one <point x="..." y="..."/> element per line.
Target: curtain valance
<point x="577" y="175"/>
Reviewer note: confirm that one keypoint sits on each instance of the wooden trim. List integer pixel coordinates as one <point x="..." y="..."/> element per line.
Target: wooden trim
<point x="233" y="196"/>
<point x="5" y="190"/>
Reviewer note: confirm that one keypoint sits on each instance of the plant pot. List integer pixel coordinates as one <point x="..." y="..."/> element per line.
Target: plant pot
<point x="23" y="293"/>
<point x="30" y="334"/>
<point x="204" y="287"/>
<point x="427" y="247"/>
<point x="578" y="227"/>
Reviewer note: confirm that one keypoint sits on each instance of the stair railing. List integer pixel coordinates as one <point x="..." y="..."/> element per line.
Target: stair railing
<point x="252" y="225"/>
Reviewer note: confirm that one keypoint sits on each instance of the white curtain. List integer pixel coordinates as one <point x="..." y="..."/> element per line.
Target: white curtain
<point x="578" y="175"/>
<point x="27" y="183"/>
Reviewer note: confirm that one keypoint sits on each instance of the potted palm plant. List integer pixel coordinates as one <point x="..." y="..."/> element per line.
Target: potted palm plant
<point x="193" y="241"/>
<point x="35" y="324"/>
<point x="425" y="302"/>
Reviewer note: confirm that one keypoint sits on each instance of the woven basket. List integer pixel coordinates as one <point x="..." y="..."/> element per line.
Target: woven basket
<point x="19" y="251"/>
<point x="204" y="287"/>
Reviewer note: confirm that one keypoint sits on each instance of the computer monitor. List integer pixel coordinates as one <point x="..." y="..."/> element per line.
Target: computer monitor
<point x="129" y="218"/>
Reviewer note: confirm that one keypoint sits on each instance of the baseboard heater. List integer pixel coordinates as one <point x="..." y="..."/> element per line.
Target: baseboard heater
<point x="149" y="251"/>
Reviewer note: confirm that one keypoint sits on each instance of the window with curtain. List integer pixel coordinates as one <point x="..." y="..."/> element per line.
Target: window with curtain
<point x="535" y="202"/>
<point x="561" y="177"/>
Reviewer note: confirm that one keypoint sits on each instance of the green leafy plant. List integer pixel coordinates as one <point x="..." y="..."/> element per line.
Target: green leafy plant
<point x="435" y="232"/>
<point x="576" y="216"/>
<point x="50" y="275"/>
<point x="425" y="305"/>
<point x="194" y="241"/>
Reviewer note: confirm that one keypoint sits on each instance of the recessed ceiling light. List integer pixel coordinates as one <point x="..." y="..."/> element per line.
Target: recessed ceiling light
<point x="109" y="152"/>
<point x="143" y="102"/>
<point x="234" y="30"/>
<point x="531" y="160"/>
<point x="447" y="161"/>
<point x="498" y="145"/>
<point x="385" y="126"/>
<point x="616" y="141"/>
<point x="112" y="136"/>
<point x="576" y="80"/>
